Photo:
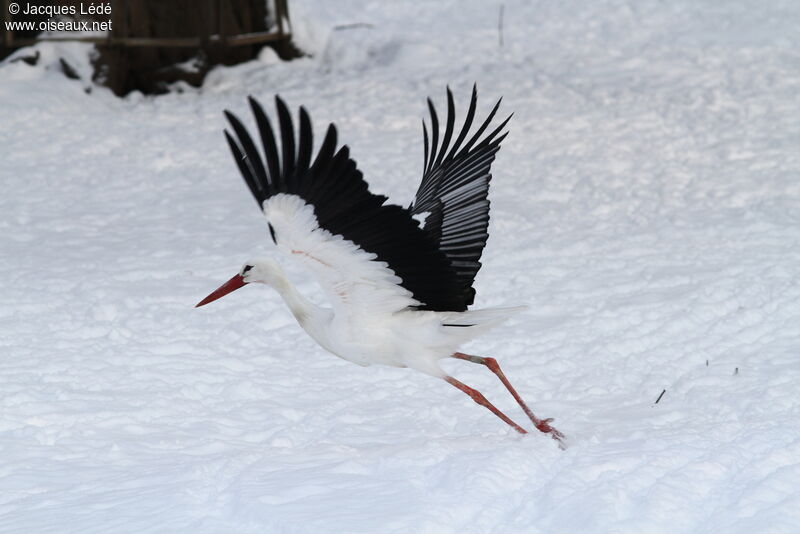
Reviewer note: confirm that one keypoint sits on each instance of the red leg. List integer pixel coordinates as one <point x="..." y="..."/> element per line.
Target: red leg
<point x="480" y="399"/>
<point x="543" y="425"/>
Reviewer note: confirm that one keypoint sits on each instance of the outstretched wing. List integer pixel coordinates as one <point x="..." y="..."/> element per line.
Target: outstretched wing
<point x="455" y="187"/>
<point x="363" y="251"/>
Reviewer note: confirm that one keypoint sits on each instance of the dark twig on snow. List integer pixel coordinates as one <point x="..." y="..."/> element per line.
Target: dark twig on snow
<point x="662" y="394"/>
<point x="500" y="24"/>
<point x="354" y="25"/>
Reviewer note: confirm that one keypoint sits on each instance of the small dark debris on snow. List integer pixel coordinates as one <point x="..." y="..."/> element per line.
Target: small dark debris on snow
<point x="736" y="371"/>
<point x="67" y="69"/>
<point x="353" y="26"/>
<point x="31" y="60"/>
<point x="662" y="394"/>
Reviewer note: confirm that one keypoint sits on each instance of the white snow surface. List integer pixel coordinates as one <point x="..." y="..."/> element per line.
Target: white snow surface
<point x="646" y="206"/>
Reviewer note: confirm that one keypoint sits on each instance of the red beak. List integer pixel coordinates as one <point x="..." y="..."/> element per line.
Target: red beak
<point x="231" y="285"/>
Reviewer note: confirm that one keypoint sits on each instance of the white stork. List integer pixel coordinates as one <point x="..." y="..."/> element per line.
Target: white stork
<point x="398" y="293"/>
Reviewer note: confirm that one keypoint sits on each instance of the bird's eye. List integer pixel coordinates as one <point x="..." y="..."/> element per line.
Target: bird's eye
<point x="272" y="233"/>
<point x="246" y="268"/>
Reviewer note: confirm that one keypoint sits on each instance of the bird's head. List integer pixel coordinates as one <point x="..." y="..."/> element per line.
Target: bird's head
<point x="263" y="271"/>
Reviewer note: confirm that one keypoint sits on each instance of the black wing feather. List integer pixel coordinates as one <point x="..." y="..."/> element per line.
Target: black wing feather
<point x="250" y="158"/>
<point x="268" y="142"/>
<point x="455" y="188"/>
<point x="287" y="138"/>
<point x="473" y="103"/>
<point x="244" y="169"/>
<point x="342" y="203"/>
<point x="306" y="143"/>
<point x="448" y="132"/>
<point x="435" y="134"/>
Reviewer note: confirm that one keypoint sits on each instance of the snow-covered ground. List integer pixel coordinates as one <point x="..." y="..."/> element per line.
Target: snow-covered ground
<point x="646" y="205"/>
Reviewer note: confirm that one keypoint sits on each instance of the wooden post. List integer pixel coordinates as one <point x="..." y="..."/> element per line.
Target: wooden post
<point x="221" y="23"/>
<point x="124" y="31"/>
<point x="280" y="9"/>
<point x="8" y="36"/>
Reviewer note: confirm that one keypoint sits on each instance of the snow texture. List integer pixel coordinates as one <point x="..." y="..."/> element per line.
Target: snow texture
<point x="646" y="205"/>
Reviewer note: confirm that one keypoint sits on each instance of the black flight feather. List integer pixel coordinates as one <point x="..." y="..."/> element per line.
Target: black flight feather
<point x="455" y="187"/>
<point x="343" y="205"/>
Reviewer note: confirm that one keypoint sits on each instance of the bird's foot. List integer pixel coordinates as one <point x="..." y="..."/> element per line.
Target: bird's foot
<point x="543" y="425"/>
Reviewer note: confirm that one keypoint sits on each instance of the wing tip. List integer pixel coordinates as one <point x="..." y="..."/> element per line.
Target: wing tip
<point x="231" y="116"/>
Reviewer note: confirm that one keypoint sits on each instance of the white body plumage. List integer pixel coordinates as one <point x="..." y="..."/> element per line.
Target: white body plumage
<point x="371" y="319"/>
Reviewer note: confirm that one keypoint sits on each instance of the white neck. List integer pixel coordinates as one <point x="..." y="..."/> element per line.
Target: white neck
<point x="310" y="316"/>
